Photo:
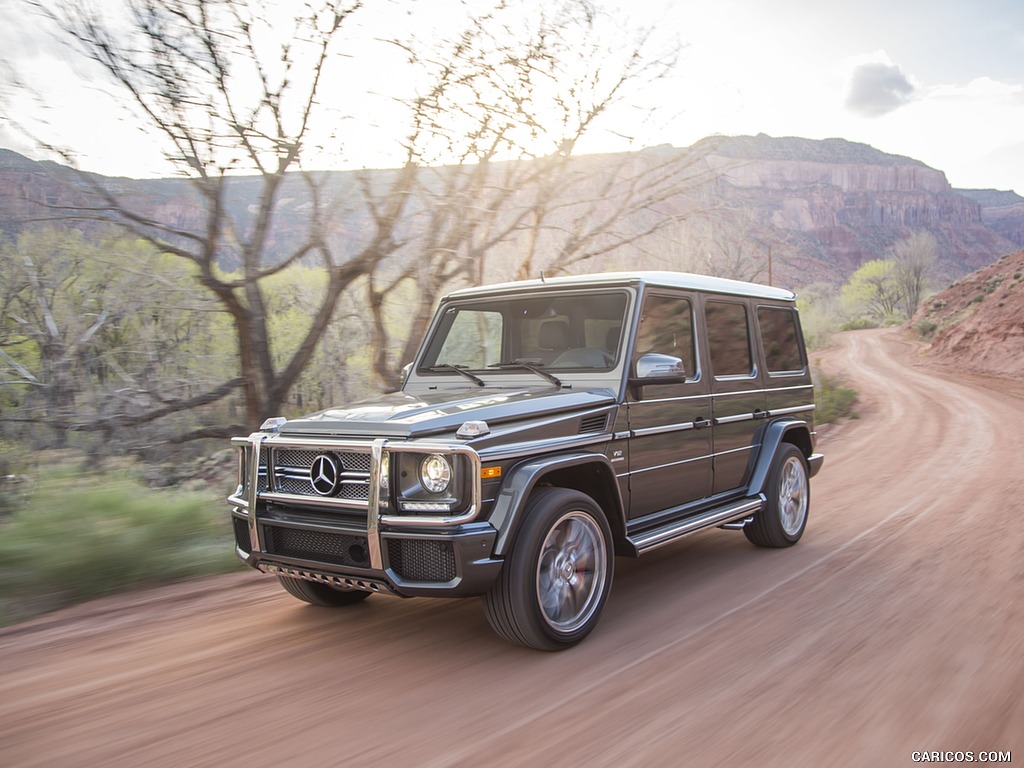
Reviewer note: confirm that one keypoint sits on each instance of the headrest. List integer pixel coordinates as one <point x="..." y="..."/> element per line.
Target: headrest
<point x="553" y="334"/>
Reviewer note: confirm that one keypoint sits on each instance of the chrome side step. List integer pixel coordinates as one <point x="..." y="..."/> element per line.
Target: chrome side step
<point x="648" y="540"/>
<point x="737" y="525"/>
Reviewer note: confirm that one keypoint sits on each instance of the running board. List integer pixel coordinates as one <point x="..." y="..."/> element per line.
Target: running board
<point x="648" y="540"/>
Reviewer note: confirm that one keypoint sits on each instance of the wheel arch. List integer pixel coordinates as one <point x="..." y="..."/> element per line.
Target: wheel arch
<point x="791" y="431"/>
<point x="589" y="473"/>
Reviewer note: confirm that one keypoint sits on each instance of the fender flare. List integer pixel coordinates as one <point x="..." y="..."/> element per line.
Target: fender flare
<point x="773" y="437"/>
<point x="507" y="513"/>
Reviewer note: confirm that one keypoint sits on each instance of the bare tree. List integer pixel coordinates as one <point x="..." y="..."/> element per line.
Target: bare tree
<point x="511" y="109"/>
<point x="224" y="93"/>
<point x="915" y="258"/>
<point x="488" y="187"/>
<point x="99" y="335"/>
<point x="727" y="242"/>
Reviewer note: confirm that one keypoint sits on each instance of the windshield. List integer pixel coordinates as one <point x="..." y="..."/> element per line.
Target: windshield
<point x="564" y="331"/>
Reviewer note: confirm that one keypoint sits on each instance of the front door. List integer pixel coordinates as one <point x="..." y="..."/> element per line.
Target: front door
<point x="669" y="424"/>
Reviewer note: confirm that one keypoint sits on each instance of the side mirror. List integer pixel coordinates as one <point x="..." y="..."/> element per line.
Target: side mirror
<point x="654" y="368"/>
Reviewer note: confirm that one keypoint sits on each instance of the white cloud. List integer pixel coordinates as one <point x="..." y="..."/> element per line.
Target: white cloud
<point x="877" y="87"/>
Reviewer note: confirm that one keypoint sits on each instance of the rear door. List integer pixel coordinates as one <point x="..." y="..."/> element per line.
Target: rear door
<point x="737" y="395"/>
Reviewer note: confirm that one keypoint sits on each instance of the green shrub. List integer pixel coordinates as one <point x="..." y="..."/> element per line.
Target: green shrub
<point x="82" y="536"/>
<point x="926" y="328"/>
<point x="833" y="400"/>
<point x="860" y="324"/>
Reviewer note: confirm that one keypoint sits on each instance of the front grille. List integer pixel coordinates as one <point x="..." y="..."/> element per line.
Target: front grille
<point x="422" y="559"/>
<point x="242" y="535"/>
<point x="319" y="546"/>
<point x="291" y="472"/>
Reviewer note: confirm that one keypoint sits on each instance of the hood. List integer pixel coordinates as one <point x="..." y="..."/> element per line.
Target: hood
<point x="406" y="415"/>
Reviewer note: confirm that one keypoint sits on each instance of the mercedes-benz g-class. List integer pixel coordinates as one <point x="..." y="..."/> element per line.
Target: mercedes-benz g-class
<point x="544" y="428"/>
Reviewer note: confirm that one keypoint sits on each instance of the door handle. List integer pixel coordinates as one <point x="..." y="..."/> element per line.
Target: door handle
<point x="701" y="423"/>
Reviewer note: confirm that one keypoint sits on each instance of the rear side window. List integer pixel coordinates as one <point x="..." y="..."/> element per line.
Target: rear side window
<point x="781" y="340"/>
<point x="728" y="338"/>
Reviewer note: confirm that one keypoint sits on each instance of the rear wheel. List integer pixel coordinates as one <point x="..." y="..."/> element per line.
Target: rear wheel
<point x="321" y="594"/>
<point x="554" y="584"/>
<point x="782" y="521"/>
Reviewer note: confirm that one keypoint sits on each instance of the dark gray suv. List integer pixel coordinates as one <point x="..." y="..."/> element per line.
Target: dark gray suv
<point x="544" y="428"/>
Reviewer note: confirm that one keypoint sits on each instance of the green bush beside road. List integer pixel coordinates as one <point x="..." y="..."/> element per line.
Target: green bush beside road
<point x="78" y="536"/>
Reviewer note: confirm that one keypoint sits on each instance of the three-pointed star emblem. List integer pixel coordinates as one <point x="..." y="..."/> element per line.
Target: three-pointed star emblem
<point x="323" y="474"/>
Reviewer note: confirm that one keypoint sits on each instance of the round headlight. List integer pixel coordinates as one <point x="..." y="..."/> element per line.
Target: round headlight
<point x="435" y="473"/>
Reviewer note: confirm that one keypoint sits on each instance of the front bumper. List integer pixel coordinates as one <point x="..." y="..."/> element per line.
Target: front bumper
<point x="331" y="540"/>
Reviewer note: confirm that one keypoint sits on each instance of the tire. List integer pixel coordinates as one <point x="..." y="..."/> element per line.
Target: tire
<point x="782" y="521"/>
<point x="555" y="581"/>
<point x="321" y="594"/>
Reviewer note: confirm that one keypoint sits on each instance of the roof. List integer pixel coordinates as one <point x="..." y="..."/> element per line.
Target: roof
<point x="684" y="280"/>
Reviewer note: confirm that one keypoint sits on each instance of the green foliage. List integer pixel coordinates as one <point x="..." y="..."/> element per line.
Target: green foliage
<point x="102" y="329"/>
<point x="874" y="292"/>
<point x="833" y="399"/>
<point x="81" y="536"/>
<point x="859" y="324"/>
<point x="820" y="313"/>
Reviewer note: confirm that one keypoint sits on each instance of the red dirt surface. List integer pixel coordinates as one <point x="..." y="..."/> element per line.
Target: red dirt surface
<point x="895" y="626"/>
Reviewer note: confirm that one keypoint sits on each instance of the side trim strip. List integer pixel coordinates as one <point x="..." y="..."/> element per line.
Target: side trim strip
<point x="734" y="419"/>
<point x="665" y="466"/>
<point x="794" y="409"/>
<point x="681" y="427"/>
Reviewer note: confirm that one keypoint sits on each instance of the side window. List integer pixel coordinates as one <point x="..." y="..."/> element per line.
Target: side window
<point x="728" y="338"/>
<point x="666" y="328"/>
<point x="781" y="342"/>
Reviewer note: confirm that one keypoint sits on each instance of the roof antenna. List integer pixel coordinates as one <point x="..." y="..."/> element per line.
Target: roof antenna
<point x="542" y="276"/>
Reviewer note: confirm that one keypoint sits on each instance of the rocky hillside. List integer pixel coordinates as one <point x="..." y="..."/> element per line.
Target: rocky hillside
<point x="817" y="209"/>
<point x="1001" y="211"/>
<point x="839" y="203"/>
<point x="978" y="322"/>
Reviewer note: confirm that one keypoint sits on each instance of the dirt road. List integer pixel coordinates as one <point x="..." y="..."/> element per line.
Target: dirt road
<point x="895" y="626"/>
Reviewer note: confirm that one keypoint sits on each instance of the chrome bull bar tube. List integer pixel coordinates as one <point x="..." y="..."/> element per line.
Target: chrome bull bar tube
<point x="247" y="495"/>
<point x="373" y="508"/>
<point x="248" y="483"/>
<point x="253" y="490"/>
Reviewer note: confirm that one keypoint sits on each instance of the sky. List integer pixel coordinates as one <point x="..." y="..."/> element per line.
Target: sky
<point x="941" y="81"/>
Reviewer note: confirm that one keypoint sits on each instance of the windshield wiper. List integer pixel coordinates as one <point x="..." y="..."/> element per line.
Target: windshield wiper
<point x="529" y="367"/>
<point x="459" y="369"/>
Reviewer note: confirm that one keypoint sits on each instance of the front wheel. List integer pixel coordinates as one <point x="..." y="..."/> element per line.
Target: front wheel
<point x="782" y="521"/>
<point x="321" y="594"/>
<point x="554" y="584"/>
